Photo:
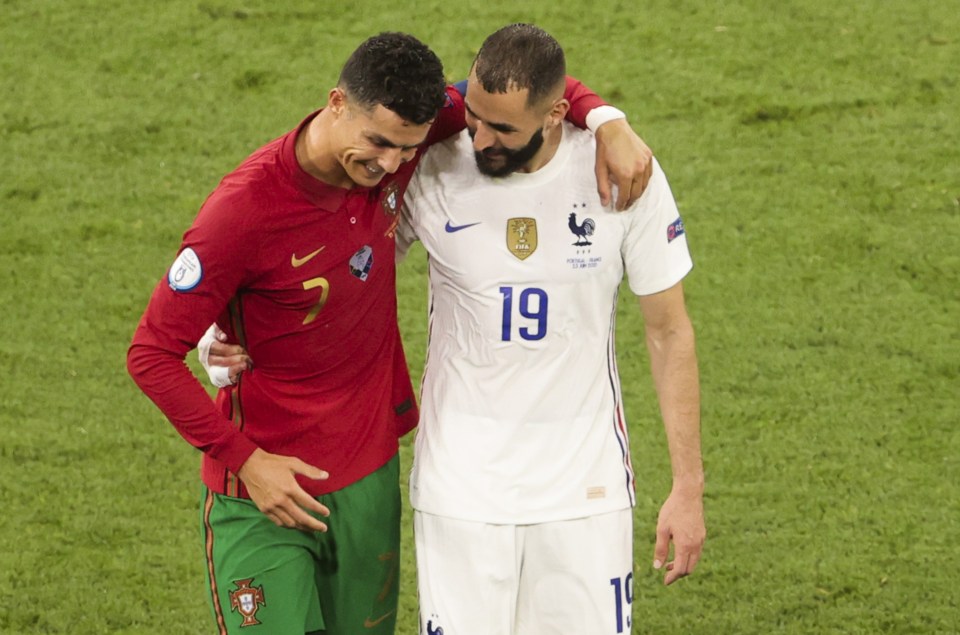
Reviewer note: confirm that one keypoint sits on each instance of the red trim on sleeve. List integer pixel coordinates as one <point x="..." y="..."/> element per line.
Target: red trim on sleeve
<point x="582" y="101"/>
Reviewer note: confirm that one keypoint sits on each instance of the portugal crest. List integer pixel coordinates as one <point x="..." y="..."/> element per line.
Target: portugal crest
<point x="390" y="202"/>
<point x="522" y="237"/>
<point x="391" y="199"/>
<point x="247" y="600"/>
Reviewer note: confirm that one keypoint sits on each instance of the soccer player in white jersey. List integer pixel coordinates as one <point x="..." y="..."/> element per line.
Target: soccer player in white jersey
<point x="522" y="482"/>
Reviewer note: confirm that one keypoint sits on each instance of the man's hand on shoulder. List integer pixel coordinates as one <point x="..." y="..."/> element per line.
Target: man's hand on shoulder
<point x="624" y="160"/>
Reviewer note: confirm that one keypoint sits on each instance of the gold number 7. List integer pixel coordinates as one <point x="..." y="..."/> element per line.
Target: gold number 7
<point x="313" y="283"/>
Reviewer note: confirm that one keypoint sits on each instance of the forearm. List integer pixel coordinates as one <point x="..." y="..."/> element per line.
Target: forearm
<point x="166" y="380"/>
<point x="673" y="362"/>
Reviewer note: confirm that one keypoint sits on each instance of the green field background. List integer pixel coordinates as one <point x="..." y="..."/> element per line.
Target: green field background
<point x="814" y="150"/>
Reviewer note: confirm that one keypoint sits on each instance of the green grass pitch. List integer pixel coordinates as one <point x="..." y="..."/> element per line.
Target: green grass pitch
<point x="813" y="149"/>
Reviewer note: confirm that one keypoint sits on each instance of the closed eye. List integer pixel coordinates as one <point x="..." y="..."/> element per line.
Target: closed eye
<point x="505" y="128"/>
<point x="383" y="142"/>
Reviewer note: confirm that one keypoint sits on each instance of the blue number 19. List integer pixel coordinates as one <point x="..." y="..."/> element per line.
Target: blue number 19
<point x="538" y="313"/>
<point x="623" y="600"/>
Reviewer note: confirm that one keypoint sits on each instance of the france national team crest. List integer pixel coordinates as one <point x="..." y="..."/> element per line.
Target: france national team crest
<point x="674" y="230"/>
<point x="581" y="230"/>
<point x="186" y="271"/>
<point x="522" y="237"/>
<point x="247" y="600"/>
<point x="362" y="262"/>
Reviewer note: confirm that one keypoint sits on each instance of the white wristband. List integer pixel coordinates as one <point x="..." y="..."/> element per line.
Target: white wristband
<point x="219" y="375"/>
<point x="601" y="115"/>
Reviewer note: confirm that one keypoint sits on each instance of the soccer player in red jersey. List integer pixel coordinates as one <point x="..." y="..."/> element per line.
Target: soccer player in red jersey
<point x="293" y="257"/>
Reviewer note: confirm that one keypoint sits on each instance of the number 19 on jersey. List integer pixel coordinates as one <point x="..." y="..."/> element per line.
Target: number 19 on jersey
<point x="532" y="308"/>
<point x="623" y="600"/>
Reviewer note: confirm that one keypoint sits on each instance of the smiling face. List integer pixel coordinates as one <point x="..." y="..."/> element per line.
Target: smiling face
<point x="371" y="142"/>
<point x="507" y="131"/>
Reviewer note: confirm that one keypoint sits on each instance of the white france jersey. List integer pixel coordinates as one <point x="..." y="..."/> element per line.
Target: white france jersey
<point x="521" y="415"/>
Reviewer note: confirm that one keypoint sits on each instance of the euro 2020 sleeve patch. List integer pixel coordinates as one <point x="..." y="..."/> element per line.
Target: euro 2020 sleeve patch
<point x="186" y="272"/>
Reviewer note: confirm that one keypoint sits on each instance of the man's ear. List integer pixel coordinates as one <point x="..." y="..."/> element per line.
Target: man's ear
<point x="337" y="100"/>
<point x="558" y="112"/>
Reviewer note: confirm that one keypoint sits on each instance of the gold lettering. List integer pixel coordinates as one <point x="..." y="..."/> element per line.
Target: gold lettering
<point x="313" y="283"/>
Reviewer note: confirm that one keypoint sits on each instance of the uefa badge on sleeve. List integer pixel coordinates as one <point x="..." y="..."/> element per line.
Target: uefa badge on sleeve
<point x="186" y="271"/>
<point x="674" y="230"/>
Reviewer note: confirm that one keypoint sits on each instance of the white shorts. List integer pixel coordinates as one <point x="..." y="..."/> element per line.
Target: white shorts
<point x="573" y="577"/>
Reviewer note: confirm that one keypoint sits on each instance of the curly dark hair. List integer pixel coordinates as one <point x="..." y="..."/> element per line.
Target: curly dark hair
<point x="399" y="72"/>
<point x="521" y="56"/>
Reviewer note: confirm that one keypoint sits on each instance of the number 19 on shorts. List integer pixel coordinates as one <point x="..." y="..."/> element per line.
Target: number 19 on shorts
<point x="623" y="601"/>
<point x="532" y="309"/>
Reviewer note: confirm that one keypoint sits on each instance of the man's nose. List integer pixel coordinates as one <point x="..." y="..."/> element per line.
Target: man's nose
<point x="390" y="159"/>
<point x="483" y="138"/>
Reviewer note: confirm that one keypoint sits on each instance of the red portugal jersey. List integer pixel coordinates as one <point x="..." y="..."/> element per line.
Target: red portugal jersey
<point x="303" y="275"/>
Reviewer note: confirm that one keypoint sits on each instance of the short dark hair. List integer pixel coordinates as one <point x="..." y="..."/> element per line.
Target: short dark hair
<point x="521" y="56"/>
<point x="397" y="71"/>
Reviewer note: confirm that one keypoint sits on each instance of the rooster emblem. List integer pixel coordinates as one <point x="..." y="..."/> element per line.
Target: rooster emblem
<point x="581" y="230"/>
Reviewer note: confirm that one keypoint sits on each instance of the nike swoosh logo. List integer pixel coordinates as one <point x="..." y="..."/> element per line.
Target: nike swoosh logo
<point x="299" y="262"/>
<point x="455" y="228"/>
<point x="368" y="623"/>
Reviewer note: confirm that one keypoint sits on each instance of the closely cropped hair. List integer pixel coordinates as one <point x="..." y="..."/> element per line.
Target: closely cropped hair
<point x="521" y="56"/>
<point x="399" y="72"/>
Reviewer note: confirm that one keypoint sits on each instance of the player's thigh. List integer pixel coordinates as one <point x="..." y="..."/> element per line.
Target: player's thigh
<point x="359" y="569"/>
<point x="467" y="575"/>
<point x="261" y="578"/>
<point x="577" y="576"/>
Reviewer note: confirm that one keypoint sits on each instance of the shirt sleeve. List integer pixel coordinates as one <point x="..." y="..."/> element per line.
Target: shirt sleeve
<point x="654" y="251"/>
<point x="450" y="120"/>
<point x="195" y="292"/>
<point x="406" y="233"/>
<point x="582" y="101"/>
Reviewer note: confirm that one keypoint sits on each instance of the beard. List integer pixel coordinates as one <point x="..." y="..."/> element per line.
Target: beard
<point x="504" y="161"/>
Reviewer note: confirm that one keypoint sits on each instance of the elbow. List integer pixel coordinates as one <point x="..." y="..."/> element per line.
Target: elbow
<point x="135" y="363"/>
<point x="149" y="365"/>
<point x="676" y="334"/>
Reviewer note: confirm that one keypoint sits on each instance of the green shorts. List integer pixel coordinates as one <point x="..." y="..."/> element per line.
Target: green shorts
<point x="278" y="581"/>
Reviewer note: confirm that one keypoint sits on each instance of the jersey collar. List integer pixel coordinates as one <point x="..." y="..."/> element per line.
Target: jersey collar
<point x="327" y="197"/>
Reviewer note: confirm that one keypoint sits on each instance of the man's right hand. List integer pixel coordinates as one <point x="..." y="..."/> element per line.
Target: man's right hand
<point x="272" y="486"/>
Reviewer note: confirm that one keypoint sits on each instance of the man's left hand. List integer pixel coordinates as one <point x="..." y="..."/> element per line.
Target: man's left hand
<point x="681" y="523"/>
